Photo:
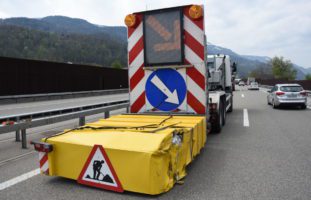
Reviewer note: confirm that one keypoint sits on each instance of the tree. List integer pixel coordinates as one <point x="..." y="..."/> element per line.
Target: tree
<point x="116" y="64"/>
<point x="308" y="77"/>
<point x="283" y="69"/>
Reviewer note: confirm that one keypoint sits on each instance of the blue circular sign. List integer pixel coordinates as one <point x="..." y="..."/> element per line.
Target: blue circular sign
<point x="166" y="89"/>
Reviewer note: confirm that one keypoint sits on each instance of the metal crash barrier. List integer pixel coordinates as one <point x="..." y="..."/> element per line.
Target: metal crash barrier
<point x="19" y="123"/>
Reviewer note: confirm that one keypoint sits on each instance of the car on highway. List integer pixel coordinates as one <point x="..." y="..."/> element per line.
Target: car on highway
<point x="253" y="86"/>
<point x="241" y="83"/>
<point x="287" y="94"/>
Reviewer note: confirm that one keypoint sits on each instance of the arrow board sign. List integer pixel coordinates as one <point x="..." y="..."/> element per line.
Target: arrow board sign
<point x="98" y="171"/>
<point x="166" y="89"/>
<point x="163" y="37"/>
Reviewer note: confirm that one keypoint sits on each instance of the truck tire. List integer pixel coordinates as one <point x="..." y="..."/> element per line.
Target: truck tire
<point x="224" y="112"/>
<point x="231" y="106"/>
<point x="217" y="125"/>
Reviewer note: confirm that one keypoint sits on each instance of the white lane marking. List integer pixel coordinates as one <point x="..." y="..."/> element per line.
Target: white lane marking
<point x="242" y="95"/>
<point x="19" y="179"/>
<point x="245" y="118"/>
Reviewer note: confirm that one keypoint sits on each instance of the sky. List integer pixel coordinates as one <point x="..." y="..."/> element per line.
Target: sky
<point x="248" y="27"/>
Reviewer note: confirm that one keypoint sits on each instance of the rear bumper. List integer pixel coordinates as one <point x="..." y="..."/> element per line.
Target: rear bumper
<point x="291" y="102"/>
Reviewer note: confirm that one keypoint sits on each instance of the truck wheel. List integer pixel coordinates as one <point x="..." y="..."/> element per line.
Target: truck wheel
<point x="231" y="106"/>
<point x="224" y="112"/>
<point x="216" y="126"/>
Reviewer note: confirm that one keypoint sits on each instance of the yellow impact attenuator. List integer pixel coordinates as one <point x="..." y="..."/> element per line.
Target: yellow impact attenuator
<point x="149" y="153"/>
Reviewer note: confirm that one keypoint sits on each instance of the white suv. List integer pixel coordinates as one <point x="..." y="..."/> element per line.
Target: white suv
<point x="287" y="94"/>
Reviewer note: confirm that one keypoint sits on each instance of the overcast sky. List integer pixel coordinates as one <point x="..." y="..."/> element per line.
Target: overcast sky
<point x="252" y="27"/>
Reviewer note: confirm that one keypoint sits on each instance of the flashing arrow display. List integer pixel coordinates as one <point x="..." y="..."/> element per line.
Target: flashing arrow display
<point x="162" y="34"/>
<point x="166" y="35"/>
<point x="165" y="89"/>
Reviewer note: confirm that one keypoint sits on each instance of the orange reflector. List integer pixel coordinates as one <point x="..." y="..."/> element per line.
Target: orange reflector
<point x="130" y="20"/>
<point x="196" y="12"/>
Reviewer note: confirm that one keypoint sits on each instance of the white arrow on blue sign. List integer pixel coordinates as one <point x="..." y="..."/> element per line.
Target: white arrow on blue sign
<point x="165" y="89"/>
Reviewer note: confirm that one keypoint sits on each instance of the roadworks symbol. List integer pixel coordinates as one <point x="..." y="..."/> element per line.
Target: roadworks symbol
<point x="98" y="171"/>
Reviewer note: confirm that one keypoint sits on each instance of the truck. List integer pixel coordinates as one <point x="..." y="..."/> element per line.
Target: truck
<point x="250" y="80"/>
<point x="221" y="86"/>
<point x="177" y="94"/>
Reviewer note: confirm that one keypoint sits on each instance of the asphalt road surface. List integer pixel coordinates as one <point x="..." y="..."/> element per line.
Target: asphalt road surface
<point x="261" y="153"/>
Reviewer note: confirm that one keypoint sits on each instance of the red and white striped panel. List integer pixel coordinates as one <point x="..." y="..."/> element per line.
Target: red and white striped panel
<point x="194" y="55"/>
<point x="136" y="63"/>
<point x="44" y="163"/>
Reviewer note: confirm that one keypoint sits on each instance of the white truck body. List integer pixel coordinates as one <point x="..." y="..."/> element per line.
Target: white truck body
<point x="220" y="91"/>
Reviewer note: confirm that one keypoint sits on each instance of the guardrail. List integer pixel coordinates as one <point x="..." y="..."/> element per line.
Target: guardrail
<point x="19" y="123"/>
<point x="55" y="96"/>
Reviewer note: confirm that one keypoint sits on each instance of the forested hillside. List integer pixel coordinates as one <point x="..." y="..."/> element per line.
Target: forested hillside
<point x="54" y="40"/>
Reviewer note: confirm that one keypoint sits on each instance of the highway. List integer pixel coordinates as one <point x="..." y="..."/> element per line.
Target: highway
<point x="261" y="153"/>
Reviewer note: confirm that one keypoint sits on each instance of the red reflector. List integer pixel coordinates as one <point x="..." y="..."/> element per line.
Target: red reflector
<point x="280" y="93"/>
<point x="213" y="106"/>
<point x="42" y="147"/>
<point x="7" y="123"/>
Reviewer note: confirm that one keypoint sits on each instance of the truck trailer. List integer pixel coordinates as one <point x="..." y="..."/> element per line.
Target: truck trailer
<point x="177" y="94"/>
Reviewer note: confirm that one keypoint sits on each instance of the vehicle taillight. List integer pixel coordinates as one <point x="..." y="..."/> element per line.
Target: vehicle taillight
<point x="303" y="93"/>
<point x="42" y="146"/>
<point x="212" y="106"/>
<point x="280" y="93"/>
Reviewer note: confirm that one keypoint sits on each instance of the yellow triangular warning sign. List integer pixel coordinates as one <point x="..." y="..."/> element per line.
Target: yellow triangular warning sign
<point x="98" y="171"/>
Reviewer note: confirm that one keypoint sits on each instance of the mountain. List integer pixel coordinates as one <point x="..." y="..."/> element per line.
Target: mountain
<point x="247" y="63"/>
<point x="263" y="59"/>
<point x="304" y="70"/>
<point x="66" y="25"/>
<point x="65" y="39"/>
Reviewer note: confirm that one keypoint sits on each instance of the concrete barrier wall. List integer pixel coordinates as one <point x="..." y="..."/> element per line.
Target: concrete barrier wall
<point x="306" y="84"/>
<point x="20" y="76"/>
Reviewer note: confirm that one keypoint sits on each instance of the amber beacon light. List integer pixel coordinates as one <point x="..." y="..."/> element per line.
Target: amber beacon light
<point x="130" y="20"/>
<point x="196" y="12"/>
